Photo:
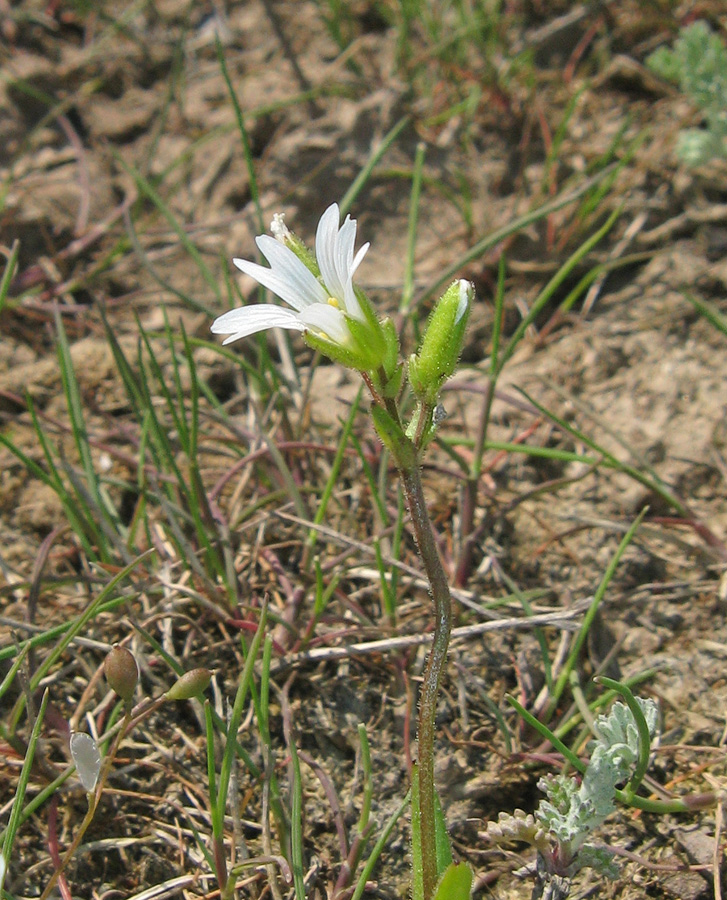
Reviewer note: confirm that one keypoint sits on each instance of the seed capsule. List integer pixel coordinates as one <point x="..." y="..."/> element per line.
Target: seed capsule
<point x="189" y="685"/>
<point x="122" y="672"/>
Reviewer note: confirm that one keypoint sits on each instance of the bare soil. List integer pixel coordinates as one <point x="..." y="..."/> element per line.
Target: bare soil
<point x="87" y="98"/>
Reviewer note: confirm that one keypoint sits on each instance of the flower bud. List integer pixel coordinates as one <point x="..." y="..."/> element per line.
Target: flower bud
<point x="442" y="343"/>
<point x="122" y="672"/>
<point x="189" y="685"/>
<point x="391" y="357"/>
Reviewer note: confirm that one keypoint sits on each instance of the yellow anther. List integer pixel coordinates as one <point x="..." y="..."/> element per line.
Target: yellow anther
<point x="333" y="302"/>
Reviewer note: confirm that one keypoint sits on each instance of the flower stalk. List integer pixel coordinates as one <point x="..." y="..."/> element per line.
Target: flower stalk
<point x="407" y="457"/>
<point x="336" y="318"/>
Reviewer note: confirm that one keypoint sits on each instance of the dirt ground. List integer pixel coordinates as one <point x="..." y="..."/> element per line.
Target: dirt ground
<point x="92" y="95"/>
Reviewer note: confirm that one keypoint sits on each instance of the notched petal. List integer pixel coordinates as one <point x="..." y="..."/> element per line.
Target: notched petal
<point x="239" y="323"/>
<point x="326" y="251"/>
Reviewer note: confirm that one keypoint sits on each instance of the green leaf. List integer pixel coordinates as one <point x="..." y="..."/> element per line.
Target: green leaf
<point x="393" y="437"/>
<point x="642" y="715"/>
<point x="698" y="63"/>
<point x="665" y="64"/>
<point x="417" y="879"/>
<point x="456" y="883"/>
<point x="444" y="850"/>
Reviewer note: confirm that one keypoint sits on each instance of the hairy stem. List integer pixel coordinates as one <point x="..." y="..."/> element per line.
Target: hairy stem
<point x="411" y="480"/>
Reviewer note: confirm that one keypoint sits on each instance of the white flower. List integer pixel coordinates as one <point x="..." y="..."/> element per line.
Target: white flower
<point x="319" y="306"/>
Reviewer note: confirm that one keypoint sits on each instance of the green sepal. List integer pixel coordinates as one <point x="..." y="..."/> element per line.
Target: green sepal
<point x="387" y="386"/>
<point x="376" y="331"/>
<point x="393" y="385"/>
<point x="368" y="311"/>
<point x="455" y="884"/>
<point x="369" y="339"/>
<point x="294" y="243"/>
<point x="351" y="357"/>
<point x="393" y="437"/>
<point x="368" y="348"/>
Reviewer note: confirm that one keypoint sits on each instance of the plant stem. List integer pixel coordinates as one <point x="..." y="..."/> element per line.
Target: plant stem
<point x="412" y="483"/>
<point x="94" y="798"/>
<point x="407" y="454"/>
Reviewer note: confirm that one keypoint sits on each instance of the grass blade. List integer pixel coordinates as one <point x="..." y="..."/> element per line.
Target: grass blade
<point x="363" y="176"/>
<point x="590" y="615"/>
<point x="9" y="272"/>
<point x="22" y="786"/>
<point x="189" y="246"/>
<point x="496" y="237"/>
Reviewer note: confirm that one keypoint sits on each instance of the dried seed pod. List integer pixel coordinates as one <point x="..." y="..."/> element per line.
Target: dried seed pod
<point x="189" y="685"/>
<point x="122" y="672"/>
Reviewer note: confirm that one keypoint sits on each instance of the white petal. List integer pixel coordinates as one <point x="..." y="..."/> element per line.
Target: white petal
<point x="358" y="258"/>
<point x="327" y="319"/>
<point x="327" y="251"/>
<point x="466" y="293"/>
<point x="344" y="250"/>
<point x="288" y="277"/>
<point x="286" y="264"/>
<point x="239" y="323"/>
<point x="350" y="300"/>
<point x="271" y="280"/>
